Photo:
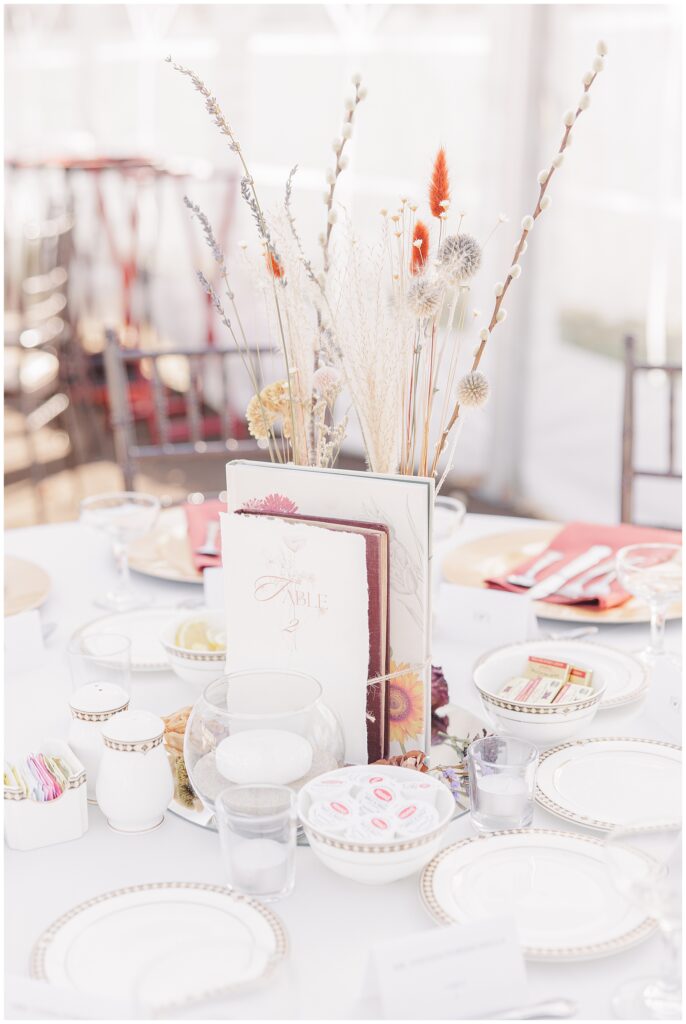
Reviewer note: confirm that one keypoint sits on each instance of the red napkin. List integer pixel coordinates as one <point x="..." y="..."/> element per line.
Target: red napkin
<point x="573" y="540"/>
<point x="198" y="517"/>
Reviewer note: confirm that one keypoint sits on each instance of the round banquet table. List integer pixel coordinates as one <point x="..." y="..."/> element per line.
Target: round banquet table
<point x="332" y="922"/>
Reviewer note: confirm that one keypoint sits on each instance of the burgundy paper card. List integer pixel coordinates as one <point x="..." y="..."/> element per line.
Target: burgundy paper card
<point x="376" y="537"/>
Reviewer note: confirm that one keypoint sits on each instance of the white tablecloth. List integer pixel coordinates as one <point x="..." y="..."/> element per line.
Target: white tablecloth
<point x="332" y="923"/>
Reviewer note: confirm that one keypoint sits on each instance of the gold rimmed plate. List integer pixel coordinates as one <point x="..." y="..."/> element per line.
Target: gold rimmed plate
<point x="500" y="553"/>
<point x="605" y="782"/>
<point x="165" y="552"/>
<point x="162" y="945"/>
<point x="555" y="884"/>
<point x="26" y="585"/>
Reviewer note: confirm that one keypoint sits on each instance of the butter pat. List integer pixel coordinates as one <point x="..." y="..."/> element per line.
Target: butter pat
<point x="580" y="676"/>
<point x="537" y="690"/>
<point x="569" y="693"/>
<point x="514" y="686"/>
<point x="544" y="692"/>
<point x="536" y="666"/>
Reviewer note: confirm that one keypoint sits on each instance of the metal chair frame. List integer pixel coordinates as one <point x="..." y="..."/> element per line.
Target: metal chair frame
<point x="128" y="451"/>
<point x="629" y="472"/>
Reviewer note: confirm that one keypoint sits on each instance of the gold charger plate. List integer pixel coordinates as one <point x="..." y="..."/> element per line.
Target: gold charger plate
<point x="500" y="553"/>
<point x="26" y="585"/>
<point x="165" y="552"/>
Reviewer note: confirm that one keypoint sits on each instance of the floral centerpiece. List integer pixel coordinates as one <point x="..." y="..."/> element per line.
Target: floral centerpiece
<point x="380" y="324"/>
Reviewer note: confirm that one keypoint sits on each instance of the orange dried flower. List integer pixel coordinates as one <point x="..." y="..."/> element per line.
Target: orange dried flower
<point x="274" y="266"/>
<point x="439" y="189"/>
<point x="420" y="253"/>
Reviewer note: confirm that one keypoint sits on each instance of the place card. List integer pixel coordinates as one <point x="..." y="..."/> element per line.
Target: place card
<point x="448" y="973"/>
<point x="484" y="619"/>
<point x="24" y="643"/>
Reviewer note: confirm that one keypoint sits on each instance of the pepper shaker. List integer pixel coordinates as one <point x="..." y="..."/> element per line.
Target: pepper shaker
<point x="91" y="706"/>
<point x="135" y="783"/>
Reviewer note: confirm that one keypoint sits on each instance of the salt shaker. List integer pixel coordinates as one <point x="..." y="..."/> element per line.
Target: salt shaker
<point x="135" y="783"/>
<point x="91" y="706"/>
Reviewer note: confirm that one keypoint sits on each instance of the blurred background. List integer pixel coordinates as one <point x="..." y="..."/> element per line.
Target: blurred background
<point x="103" y="139"/>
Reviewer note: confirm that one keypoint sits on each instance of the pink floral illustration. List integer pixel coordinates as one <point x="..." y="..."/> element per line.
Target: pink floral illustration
<point x="275" y="504"/>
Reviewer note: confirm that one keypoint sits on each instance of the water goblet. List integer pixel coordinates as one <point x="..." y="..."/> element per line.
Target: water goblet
<point x="652" y="573"/>
<point x="644" y="861"/>
<point x="123" y="516"/>
<point x="447" y="519"/>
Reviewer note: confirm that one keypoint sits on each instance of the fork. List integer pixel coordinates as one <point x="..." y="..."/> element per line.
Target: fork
<point x="577" y="588"/>
<point x="528" y="578"/>
<point x="210" y="545"/>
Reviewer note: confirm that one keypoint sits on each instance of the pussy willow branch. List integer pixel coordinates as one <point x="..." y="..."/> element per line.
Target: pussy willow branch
<point x="337" y="172"/>
<point x="442" y="440"/>
<point x="217" y="115"/>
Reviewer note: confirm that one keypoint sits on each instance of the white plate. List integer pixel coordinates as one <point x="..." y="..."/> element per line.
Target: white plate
<point x="123" y="944"/>
<point x="622" y="675"/>
<point x="143" y="629"/>
<point x="556" y="885"/>
<point x="608" y="781"/>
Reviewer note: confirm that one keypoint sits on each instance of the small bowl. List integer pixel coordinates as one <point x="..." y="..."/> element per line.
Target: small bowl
<point x="542" y="724"/>
<point x="377" y="863"/>
<point x="195" y="667"/>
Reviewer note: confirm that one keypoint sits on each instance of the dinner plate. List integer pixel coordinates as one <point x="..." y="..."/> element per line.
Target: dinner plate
<point x="26" y="585"/>
<point x="165" y="552"/>
<point x="623" y="677"/>
<point x="603" y="782"/>
<point x="123" y="944"/>
<point x="555" y="884"/>
<point x="499" y="553"/>
<point x="143" y="630"/>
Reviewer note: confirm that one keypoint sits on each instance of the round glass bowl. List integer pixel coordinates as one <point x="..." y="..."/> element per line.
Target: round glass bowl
<point x="261" y="727"/>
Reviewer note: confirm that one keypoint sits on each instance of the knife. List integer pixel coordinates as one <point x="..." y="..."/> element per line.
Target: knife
<point x="552" y="583"/>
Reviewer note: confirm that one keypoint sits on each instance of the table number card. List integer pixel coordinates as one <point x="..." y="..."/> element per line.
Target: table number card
<point x="461" y="972"/>
<point x="296" y="595"/>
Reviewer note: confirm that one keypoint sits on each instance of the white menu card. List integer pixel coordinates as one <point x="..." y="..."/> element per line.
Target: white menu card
<point x="297" y="599"/>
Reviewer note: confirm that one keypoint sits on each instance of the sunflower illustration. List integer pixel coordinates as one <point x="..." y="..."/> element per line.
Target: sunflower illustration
<point x="405" y="703"/>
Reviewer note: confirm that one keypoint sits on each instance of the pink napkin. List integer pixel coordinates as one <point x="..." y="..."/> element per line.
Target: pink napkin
<point x="573" y="540"/>
<point x="198" y="517"/>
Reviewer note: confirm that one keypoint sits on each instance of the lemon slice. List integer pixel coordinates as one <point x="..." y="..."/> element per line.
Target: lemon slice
<point x="216" y="639"/>
<point x="192" y="635"/>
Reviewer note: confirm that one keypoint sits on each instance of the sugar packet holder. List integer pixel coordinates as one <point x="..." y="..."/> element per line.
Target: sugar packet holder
<point x="30" y="824"/>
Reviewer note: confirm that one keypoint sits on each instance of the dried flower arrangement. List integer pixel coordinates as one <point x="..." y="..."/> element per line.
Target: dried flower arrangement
<point x="381" y="324"/>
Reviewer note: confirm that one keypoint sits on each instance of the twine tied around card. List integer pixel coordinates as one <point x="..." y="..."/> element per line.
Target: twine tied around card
<point x="417" y="668"/>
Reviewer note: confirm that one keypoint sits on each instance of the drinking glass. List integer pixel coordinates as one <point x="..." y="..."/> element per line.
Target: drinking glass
<point x="502" y="773"/>
<point x="257" y="833"/>
<point x="100" y="658"/>
<point x="447" y="519"/>
<point x="644" y="861"/>
<point x="652" y="573"/>
<point x="123" y="516"/>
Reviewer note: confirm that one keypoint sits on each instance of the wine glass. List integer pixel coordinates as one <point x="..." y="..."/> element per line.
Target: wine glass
<point x="447" y="519"/>
<point x="123" y="516"/>
<point x="644" y="861"/>
<point x="652" y="573"/>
